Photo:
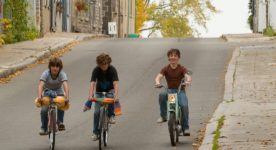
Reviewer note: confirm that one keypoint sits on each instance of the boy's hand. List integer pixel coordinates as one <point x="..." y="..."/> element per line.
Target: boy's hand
<point x="116" y="98"/>
<point x="90" y="97"/>
<point x="39" y="98"/>
<point x="188" y="83"/>
<point x="158" y="85"/>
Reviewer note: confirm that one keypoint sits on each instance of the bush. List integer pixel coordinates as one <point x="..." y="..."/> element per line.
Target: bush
<point x="18" y="27"/>
<point x="2" y="42"/>
<point x="269" y="31"/>
<point x="31" y="34"/>
<point x="9" y="38"/>
<point x="6" y="27"/>
<point x="250" y="21"/>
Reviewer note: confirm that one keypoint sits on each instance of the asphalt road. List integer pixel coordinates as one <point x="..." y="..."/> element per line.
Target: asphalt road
<point x="138" y="62"/>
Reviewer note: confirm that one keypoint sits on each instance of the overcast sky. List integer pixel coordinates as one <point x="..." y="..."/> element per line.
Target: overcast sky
<point x="231" y="19"/>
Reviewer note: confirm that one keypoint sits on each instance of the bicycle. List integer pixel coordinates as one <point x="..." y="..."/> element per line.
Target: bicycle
<point x="53" y="102"/>
<point x="174" y="114"/>
<point x="104" y="119"/>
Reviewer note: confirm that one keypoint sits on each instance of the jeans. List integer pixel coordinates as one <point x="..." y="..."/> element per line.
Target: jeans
<point x="97" y="112"/>
<point x="44" y="109"/>
<point x="182" y="102"/>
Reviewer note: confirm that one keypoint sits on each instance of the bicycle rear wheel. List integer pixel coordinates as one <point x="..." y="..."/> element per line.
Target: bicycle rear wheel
<point x="172" y="128"/>
<point x="52" y="129"/>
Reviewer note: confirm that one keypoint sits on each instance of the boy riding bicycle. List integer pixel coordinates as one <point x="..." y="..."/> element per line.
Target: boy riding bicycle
<point x="174" y="73"/>
<point x="105" y="79"/>
<point x="51" y="82"/>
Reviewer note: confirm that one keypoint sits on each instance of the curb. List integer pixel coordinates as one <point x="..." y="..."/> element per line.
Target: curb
<point x="6" y="71"/>
<point x="249" y="39"/>
<point x="211" y="127"/>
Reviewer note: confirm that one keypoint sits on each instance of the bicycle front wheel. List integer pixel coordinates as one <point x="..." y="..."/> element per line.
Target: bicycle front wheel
<point x="105" y="137"/>
<point x="52" y="129"/>
<point x="101" y="127"/>
<point x="172" y="128"/>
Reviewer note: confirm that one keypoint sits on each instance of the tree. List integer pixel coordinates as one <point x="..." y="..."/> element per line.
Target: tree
<point x="251" y="13"/>
<point x="141" y="15"/>
<point x="22" y="27"/>
<point x="179" y="18"/>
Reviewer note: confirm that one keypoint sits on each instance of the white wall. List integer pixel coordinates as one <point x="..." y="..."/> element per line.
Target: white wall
<point x="272" y="13"/>
<point x="261" y="15"/>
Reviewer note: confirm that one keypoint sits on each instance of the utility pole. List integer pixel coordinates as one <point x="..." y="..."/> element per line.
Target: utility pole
<point x="267" y="22"/>
<point x="41" y="18"/>
<point x="128" y="12"/>
<point x="119" y="19"/>
<point x="135" y="16"/>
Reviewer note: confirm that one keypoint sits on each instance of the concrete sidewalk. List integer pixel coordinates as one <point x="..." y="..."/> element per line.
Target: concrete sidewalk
<point x="17" y="56"/>
<point x="249" y="104"/>
<point x="246" y="37"/>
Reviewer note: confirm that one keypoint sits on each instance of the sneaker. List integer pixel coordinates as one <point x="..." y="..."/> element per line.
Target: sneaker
<point x="112" y="120"/>
<point x="161" y="120"/>
<point x="186" y="132"/>
<point x="94" y="137"/>
<point x="61" y="127"/>
<point x="43" y="132"/>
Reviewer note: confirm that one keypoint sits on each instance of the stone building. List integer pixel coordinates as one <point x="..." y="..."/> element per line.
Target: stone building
<point x="87" y="16"/>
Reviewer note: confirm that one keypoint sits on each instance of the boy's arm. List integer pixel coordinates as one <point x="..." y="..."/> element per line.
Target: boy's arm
<point x="158" y="78"/>
<point x="91" y="90"/>
<point x="66" y="90"/>
<point x="40" y="89"/>
<point x="188" y="79"/>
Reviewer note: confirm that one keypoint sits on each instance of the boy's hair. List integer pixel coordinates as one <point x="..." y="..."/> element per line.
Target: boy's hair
<point x="175" y="51"/>
<point x="103" y="59"/>
<point x="55" y="62"/>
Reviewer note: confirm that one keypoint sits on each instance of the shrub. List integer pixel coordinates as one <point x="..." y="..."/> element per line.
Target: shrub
<point x="2" y="42"/>
<point x="6" y="27"/>
<point x="268" y="31"/>
<point x="31" y="34"/>
<point x="18" y="27"/>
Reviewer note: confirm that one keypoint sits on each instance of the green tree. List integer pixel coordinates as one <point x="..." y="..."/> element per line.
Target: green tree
<point x="141" y="15"/>
<point x="251" y="13"/>
<point x="16" y="11"/>
<point x="179" y="18"/>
